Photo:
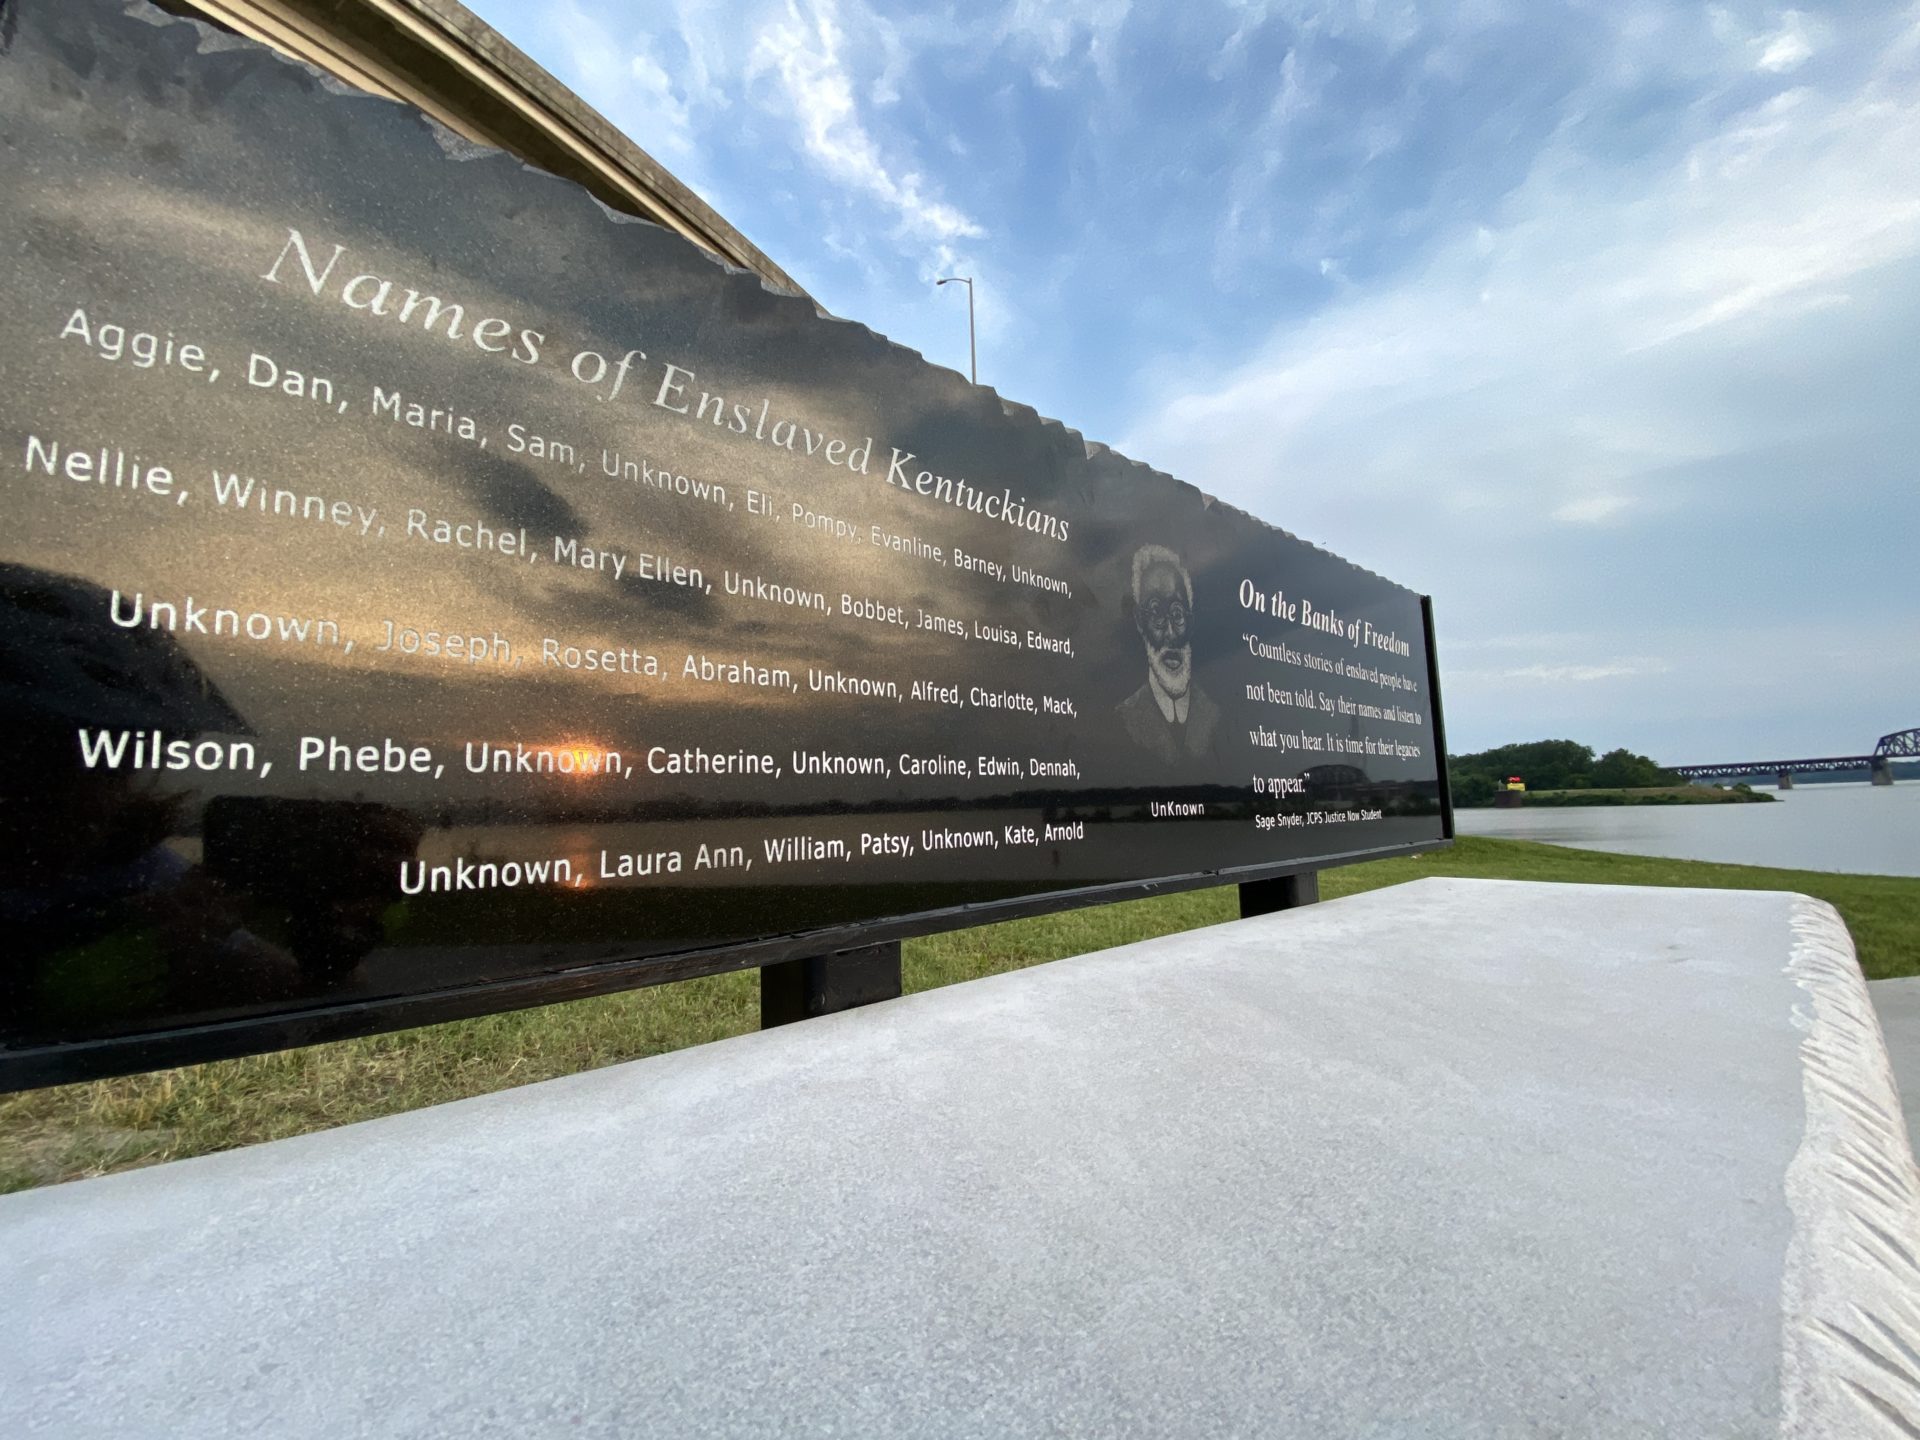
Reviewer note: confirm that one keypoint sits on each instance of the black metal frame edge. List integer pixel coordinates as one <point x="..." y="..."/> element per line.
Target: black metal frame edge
<point x="64" y="1064"/>
<point x="1435" y="709"/>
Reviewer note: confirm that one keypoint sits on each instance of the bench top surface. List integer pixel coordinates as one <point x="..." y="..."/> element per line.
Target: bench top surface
<point x="1455" y="1158"/>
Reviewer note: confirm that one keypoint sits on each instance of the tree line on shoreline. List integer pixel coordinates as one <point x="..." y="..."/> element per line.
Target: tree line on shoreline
<point x="1551" y="765"/>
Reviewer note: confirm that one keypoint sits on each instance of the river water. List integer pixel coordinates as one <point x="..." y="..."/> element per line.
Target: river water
<point x="1860" y="828"/>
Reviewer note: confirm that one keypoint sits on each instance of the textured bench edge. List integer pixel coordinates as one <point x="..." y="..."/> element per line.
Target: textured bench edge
<point x="1850" y="1301"/>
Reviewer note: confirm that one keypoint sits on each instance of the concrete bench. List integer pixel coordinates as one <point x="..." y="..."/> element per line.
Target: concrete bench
<point x="1452" y="1159"/>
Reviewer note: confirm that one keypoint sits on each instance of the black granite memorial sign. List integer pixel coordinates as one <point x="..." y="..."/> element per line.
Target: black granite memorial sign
<point x="424" y="591"/>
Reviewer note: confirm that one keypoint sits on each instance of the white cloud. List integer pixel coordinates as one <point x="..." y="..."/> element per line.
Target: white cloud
<point x="1788" y="48"/>
<point x="593" y="55"/>
<point x="666" y="107"/>
<point x="622" y="75"/>
<point x="1586" y="674"/>
<point x="1049" y="34"/>
<point x="1592" y="509"/>
<point x="1515" y="354"/>
<point x="1533" y="640"/>
<point x="1779" y="47"/>
<point x="802" y="53"/>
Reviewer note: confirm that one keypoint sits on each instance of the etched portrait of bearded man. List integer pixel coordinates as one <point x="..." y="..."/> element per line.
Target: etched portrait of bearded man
<point x="1169" y="716"/>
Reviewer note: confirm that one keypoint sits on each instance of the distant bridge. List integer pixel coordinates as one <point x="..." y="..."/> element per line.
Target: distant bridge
<point x="1900" y="745"/>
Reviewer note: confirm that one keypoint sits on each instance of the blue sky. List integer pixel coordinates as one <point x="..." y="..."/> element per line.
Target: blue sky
<point x="1598" y="322"/>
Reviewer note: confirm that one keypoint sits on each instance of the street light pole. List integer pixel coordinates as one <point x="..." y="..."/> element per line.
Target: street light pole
<point x="973" y="353"/>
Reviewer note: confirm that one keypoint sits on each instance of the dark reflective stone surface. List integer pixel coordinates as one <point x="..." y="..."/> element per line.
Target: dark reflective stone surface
<point x="416" y="577"/>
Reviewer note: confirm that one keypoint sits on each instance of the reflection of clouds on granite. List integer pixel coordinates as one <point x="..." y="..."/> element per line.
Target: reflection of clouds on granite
<point x="287" y="699"/>
<point x="511" y="494"/>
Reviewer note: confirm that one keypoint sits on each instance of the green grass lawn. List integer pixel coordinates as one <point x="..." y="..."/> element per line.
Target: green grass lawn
<point x="76" y="1130"/>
